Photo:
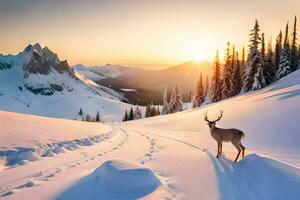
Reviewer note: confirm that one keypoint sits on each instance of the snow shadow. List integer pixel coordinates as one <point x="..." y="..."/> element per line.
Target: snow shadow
<point x="256" y="177"/>
<point x="114" y="180"/>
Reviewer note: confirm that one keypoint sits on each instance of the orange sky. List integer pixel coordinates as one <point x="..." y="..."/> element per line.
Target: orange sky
<point x="139" y="33"/>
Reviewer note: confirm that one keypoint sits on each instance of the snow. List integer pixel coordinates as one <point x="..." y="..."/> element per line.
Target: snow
<point x="170" y="156"/>
<point x="128" y="90"/>
<point x="115" y="179"/>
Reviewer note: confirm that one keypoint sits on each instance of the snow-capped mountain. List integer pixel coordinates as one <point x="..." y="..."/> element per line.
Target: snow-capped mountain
<point x="96" y="73"/>
<point x="36" y="81"/>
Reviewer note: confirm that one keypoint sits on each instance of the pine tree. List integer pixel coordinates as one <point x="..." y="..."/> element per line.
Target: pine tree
<point x="166" y="107"/>
<point x="243" y="63"/>
<point x="270" y="65"/>
<point x="198" y="97"/>
<point x="80" y="112"/>
<point x="277" y="53"/>
<point x="254" y="76"/>
<point x="97" y="119"/>
<point x="216" y="83"/>
<point x="237" y="81"/>
<point x="294" y="56"/>
<point x="157" y="110"/>
<point x="285" y="65"/>
<point x="125" y="116"/>
<point x="206" y="86"/>
<point x="152" y="110"/>
<point x="88" y="118"/>
<point x="137" y="113"/>
<point x="176" y="100"/>
<point x="131" y="114"/>
<point x="227" y="74"/>
<point x="148" y="111"/>
<point x="266" y="72"/>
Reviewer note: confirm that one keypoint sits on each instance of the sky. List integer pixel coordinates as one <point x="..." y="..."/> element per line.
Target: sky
<point x="143" y="33"/>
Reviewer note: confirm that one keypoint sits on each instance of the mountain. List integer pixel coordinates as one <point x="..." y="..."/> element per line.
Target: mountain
<point x="35" y="81"/>
<point x="149" y="85"/>
<point x="96" y="73"/>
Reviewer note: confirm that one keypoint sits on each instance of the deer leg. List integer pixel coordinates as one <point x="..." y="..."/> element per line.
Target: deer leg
<point x="221" y="145"/>
<point x="239" y="151"/>
<point x="243" y="150"/>
<point x="218" y="150"/>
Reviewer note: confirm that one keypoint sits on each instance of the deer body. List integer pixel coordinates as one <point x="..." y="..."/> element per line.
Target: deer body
<point x="226" y="135"/>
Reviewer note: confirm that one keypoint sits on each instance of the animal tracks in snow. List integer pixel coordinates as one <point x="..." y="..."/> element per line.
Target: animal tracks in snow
<point x="116" y="140"/>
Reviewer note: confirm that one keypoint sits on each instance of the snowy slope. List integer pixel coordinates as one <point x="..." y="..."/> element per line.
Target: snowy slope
<point x="170" y="157"/>
<point x="35" y="81"/>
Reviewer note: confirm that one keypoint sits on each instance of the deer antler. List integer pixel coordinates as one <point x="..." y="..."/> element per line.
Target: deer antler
<point x="205" y="116"/>
<point x="218" y="119"/>
<point x="220" y="116"/>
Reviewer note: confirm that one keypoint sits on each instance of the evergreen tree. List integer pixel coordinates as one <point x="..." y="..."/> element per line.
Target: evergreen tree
<point x="125" y="116"/>
<point x="152" y="110"/>
<point x="166" y="107"/>
<point x="243" y="63"/>
<point x="157" y="110"/>
<point x="148" y="111"/>
<point x="227" y="74"/>
<point x="270" y="65"/>
<point x="97" y="119"/>
<point x="237" y="81"/>
<point x="80" y="112"/>
<point x="285" y="65"/>
<point x="216" y="83"/>
<point x="266" y="72"/>
<point x="277" y="53"/>
<point x="138" y="113"/>
<point x="176" y="100"/>
<point x="254" y="75"/>
<point x="206" y="86"/>
<point x="88" y="118"/>
<point x="131" y="114"/>
<point x="198" y="97"/>
<point x="294" y="56"/>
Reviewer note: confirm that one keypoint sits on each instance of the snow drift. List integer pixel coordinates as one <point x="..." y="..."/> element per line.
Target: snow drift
<point x="115" y="179"/>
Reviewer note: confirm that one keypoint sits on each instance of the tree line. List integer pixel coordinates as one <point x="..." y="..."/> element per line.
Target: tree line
<point x="263" y="66"/>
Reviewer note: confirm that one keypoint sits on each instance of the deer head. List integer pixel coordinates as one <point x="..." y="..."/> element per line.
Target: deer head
<point x="212" y="123"/>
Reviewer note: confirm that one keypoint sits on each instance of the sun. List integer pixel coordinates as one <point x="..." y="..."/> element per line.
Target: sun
<point x="198" y="58"/>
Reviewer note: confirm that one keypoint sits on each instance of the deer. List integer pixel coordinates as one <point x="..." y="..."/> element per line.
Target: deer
<point x="225" y="135"/>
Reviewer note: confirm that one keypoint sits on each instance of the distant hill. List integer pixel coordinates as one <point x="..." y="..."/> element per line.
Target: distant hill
<point x="149" y="85"/>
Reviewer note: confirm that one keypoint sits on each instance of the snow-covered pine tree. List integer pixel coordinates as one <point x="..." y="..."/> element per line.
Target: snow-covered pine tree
<point x="166" y="107"/>
<point x="125" y="116"/>
<point x="285" y="65"/>
<point x="227" y="74"/>
<point x="294" y="55"/>
<point x="138" y="113"/>
<point x="198" y="97"/>
<point x="254" y="77"/>
<point x="237" y="80"/>
<point x="131" y="114"/>
<point x="176" y="100"/>
<point x="216" y="82"/>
